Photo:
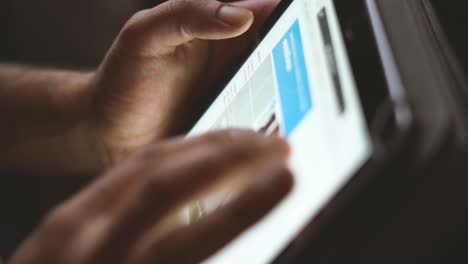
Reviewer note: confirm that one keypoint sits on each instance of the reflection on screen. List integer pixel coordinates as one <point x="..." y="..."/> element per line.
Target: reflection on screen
<point x="297" y="84"/>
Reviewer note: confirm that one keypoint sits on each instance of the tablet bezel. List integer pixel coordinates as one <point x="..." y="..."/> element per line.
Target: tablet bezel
<point x="370" y="69"/>
<point x="372" y="82"/>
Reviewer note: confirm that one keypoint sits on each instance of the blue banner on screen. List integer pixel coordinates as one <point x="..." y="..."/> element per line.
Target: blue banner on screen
<point x="292" y="80"/>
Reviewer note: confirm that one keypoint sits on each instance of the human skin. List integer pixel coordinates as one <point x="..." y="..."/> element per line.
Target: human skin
<point x="163" y="62"/>
<point x="60" y="122"/>
<point x="109" y="221"/>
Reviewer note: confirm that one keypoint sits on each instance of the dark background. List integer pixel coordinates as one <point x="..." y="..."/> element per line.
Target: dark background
<point x="53" y="33"/>
<point x="76" y="34"/>
<point x="62" y="33"/>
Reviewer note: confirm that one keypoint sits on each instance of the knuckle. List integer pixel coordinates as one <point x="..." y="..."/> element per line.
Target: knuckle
<point x="133" y="27"/>
<point x="184" y="5"/>
<point x="175" y="6"/>
<point x="138" y="17"/>
<point x="179" y="9"/>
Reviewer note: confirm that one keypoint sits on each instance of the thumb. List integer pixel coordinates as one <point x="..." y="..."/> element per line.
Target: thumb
<point x="176" y="22"/>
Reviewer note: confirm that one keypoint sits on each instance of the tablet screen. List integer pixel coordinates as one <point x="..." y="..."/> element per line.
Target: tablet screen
<point x="298" y="83"/>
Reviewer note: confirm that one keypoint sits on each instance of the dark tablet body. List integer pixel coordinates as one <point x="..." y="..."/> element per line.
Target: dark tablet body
<point x="322" y="77"/>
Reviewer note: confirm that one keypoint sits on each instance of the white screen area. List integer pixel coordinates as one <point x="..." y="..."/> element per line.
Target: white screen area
<point x="298" y="83"/>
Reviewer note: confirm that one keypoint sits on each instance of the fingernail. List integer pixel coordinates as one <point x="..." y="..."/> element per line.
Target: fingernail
<point x="234" y="16"/>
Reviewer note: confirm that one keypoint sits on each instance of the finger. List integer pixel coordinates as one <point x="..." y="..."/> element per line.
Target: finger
<point x="202" y="239"/>
<point x="179" y="21"/>
<point x="107" y="191"/>
<point x="168" y="185"/>
<point x="191" y="174"/>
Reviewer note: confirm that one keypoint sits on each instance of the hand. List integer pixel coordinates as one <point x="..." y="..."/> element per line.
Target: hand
<point x="107" y="222"/>
<point x="164" y="61"/>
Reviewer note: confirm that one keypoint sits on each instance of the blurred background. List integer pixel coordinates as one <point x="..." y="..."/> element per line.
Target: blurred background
<point x="62" y="33"/>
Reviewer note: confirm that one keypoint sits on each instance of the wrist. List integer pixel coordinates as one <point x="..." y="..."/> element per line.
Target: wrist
<point x="100" y="126"/>
<point x="46" y="128"/>
<point x="94" y="153"/>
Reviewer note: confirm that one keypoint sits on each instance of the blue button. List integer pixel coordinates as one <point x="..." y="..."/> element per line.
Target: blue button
<point x="292" y="81"/>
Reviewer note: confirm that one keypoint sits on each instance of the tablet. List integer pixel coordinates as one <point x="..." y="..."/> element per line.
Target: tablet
<point x="317" y="78"/>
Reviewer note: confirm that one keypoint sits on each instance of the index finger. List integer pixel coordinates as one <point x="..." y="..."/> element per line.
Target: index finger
<point x="201" y="239"/>
<point x="107" y="191"/>
<point x="186" y="170"/>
